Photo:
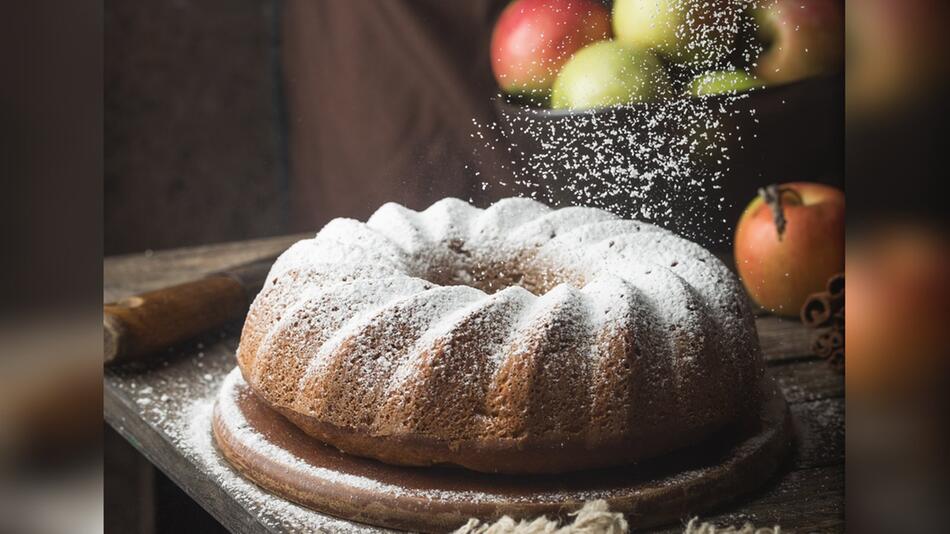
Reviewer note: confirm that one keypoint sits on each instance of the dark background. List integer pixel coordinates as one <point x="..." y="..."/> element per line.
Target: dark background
<point x="193" y="130"/>
<point x="232" y="119"/>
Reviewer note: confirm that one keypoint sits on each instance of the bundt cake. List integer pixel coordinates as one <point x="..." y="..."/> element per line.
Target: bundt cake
<point x="514" y="339"/>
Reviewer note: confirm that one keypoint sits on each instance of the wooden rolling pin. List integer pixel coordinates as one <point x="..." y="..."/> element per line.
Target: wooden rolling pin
<point x="142" y="325"/>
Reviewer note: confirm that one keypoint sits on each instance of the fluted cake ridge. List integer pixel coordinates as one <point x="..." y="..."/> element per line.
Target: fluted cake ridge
<point x="517" y="338"/>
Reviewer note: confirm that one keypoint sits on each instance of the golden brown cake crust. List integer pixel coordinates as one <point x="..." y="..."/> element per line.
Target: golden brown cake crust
<point x="516" y="339"/>
<point x="499" y="455"/>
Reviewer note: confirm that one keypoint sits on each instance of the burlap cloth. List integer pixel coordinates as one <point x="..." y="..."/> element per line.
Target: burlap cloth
<point x="594" y="518"/>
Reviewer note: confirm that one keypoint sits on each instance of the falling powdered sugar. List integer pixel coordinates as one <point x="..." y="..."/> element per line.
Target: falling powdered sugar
<point x="663" y="161"/>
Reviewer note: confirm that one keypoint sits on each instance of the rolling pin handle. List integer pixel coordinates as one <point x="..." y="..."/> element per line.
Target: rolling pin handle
<point x="142" y="325"/>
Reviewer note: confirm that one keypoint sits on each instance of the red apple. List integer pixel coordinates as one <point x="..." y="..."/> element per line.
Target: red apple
<point x="534" y="38"/>
<point x="805" y="38"/>
<point x="781" y="268"/>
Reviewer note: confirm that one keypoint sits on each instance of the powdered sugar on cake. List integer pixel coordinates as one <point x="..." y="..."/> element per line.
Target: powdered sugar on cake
<point x="353" y="318"/>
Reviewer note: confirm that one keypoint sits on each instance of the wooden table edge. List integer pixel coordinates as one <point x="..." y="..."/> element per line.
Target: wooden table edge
<point x="124" y="419"/>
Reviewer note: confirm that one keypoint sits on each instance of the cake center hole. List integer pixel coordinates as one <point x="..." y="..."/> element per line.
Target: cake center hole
<point x="491" y="274"/>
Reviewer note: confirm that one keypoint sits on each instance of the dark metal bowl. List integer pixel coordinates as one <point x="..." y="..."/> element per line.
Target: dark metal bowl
<point x="795" y="134"/>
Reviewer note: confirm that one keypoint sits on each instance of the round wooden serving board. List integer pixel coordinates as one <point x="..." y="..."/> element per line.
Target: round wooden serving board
<point x="275" y="454"/>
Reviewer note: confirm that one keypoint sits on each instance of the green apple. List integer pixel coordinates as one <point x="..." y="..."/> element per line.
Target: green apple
<point x="608" y="73"/>
<point x="723" y="81"/>
<point x="692" y="32"/>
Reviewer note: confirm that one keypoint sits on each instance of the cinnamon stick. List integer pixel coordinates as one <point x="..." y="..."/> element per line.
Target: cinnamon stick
<point x="835" y="286"/>
<point x="838" y="318"/>
<point x="816" y="310"/>
<point x="835" y="338"/>
<point x="820" y="308"/>
<point x="836" y="359"/>
<point x="826" y="309"/>
<point x="821" y="345"/>
<point x="830" y="346"/>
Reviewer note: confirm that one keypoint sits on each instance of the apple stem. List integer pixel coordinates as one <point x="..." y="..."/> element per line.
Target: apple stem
<point x="772" y="196"/>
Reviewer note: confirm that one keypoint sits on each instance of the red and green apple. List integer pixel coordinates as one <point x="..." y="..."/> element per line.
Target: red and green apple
<point x="534" y="38"/>
<point x="780" y="266"/>
<point x="608" y="73"/>
<point x="694" y="32"/>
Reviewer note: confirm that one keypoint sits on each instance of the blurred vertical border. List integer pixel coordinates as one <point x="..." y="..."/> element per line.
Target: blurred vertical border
<point x="898" y="261"/>
<point x="51" y="209"/>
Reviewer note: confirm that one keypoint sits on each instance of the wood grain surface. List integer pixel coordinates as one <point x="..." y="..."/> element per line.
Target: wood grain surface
<point x="807" y="495"/>
<point x="439" y="499"/>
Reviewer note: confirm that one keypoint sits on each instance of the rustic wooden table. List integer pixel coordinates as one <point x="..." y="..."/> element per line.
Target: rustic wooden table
<point x="162" y="409"/>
